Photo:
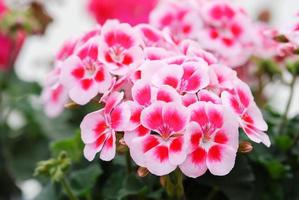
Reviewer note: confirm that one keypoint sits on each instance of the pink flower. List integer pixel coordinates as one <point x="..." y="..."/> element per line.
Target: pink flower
<point x="228" y="32"/>
<point x="54" y="95"/>
<point x="143" y="95"/>
<point x="84" y="75"/>
<point x="10" y="47"/>
<point x="164" y="148"/>
<point x="241" y="101"/>
<point x="3" y="8"/>
<point x="120" y="47"/>
<point x="177" y="18"/>
<point x="213" y="140"/>
<point x="129" y="11"/>
<point x="98" y="128"/>
<point x="267" y="46"/>
<point x="189" y="77"/>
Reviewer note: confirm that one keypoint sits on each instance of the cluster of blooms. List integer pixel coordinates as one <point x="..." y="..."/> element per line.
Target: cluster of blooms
<point x="218" y="26"/>
<point x="172" y="103"/>
<point x="290" y="45"/>
<point x="9" y="46"/>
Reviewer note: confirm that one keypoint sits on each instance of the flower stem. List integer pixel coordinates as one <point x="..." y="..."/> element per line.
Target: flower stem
<point x="174" y="185"/>
<point x="284" y="118"/>
<point x="68" y="189"/>
<point x="212" y="194"/>
<point x="128" y="162"/>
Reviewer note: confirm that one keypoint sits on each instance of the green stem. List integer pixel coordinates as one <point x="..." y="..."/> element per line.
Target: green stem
<point x="212" y="194"/>
<point x="284" y="118"/>
<point x="174" y="185"/>
<point x="68" y="189"/>
<point x="128" y="162"/>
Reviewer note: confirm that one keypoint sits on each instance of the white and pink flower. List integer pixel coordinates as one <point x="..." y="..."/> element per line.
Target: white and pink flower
<point x="213" y="141"/>
<point x="164" y="148"/>
<point x="241" y="101"/>
<point x="84" y="75"/>
<point x="98" y="129"/>
<point x="120" y="47"/>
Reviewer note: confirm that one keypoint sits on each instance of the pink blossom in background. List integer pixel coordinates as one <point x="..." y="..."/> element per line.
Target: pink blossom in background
<point x="3" y="7"/>
<point x="10" y="48"/>
<point x="130" y="11"/>
<point x="218" y="26"/>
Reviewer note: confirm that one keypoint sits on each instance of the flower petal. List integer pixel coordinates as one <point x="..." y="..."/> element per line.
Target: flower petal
<point x="220" y="159"/>
<point x="151" y="117"/>
<point x="92" y="126"/>
<point x="195" y="164"/>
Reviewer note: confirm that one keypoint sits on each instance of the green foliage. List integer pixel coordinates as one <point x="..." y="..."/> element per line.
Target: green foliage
<point x="72" y="145"/>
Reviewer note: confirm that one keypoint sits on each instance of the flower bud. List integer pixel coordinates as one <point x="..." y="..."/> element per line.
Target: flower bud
<point x="281" y="39"/>
<point x="71" y="105"/>
<point x="142" y="172"/>
<point x="245" y="147"/>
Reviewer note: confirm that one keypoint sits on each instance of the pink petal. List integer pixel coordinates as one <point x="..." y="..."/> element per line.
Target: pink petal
<point x="195" y="75"/>
<point x="71" y="72"/>
<point x="88" y="50"/>
<point x="142" y="93"/>
<point x="170" y="75"/>
<point x="92" y="126"/>
<point x="177" y="150"/>
<point x="112" y="101"/>
<point x="109" y="148"/>
<point x="195" y="164"/>
<point x="151" y="117"/>
<point x="139" y="131"/>
<point x="135" y="115"/>
<point x="189" y="99"/>
<point x="220" y="159"/>
<point x="207" y="96"/>
<point x="120" y="117"/>
<point x="168" y="94"/>
<point x="157" y="161"/>
<point x="90" y="150"/>
<point x="103" y="79"/>
<point x="141" y="145"/>
<point x="83" y="93"/>
<point x="198" y="113"/>
<point x="175" y="116"/>
<point x="257" y="117"/>
<point x="214" y="114"/>
<point x="194" y="136"/>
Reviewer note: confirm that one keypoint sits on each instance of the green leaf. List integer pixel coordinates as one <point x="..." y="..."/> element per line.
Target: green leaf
<point x="284" y="142"/>
<point x="73" y="146"/>
<point x="120" y="185"/>
<point x="83" y="181"/>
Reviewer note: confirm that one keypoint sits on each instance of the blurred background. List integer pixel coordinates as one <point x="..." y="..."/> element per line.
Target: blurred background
<point x="70" y="19"/>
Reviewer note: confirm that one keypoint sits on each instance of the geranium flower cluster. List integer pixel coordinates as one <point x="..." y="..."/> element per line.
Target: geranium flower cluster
<point x="218" y="26"/>
<point x="289" y="45"/>
<point x="172" y="104"/>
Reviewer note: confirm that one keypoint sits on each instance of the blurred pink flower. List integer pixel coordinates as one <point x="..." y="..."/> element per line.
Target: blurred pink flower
<point x="2" y="7"/>
<point x="130" y="11"/>
<point x="10" y="48"/>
